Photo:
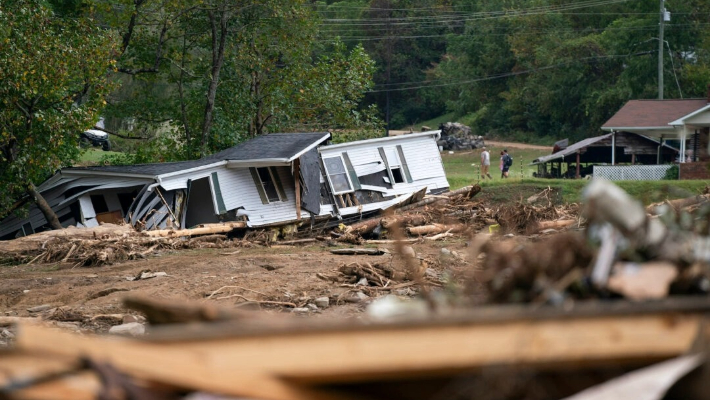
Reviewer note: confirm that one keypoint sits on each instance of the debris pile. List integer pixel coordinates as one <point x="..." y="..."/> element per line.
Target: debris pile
<point x="457" y="136"/>
<point x="623" y="252"/>
<point x="102" y="245"/>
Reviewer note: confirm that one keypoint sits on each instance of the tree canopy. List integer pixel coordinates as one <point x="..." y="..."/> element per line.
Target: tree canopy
<point x="531" y="70"/>
<point x="53" y="83"/>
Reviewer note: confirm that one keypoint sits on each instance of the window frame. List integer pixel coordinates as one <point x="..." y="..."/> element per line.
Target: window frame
<point x="345" y="169"/>
<point x="275" y="180"/>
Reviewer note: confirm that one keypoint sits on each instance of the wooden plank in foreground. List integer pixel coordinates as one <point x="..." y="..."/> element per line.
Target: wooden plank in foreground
<point x="283" y="364"/>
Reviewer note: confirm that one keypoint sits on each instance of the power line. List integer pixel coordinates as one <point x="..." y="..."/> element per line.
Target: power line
<point x="509" y="74"/>
<point x="345" y="38"/>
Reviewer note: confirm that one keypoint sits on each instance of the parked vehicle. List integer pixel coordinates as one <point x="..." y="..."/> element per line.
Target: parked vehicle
<point x="96" y="138"/>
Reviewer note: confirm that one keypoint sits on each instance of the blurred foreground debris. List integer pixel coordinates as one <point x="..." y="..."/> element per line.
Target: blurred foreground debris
<point x="293" y="358"/>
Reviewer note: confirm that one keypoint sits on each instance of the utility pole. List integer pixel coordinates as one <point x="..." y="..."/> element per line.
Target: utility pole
<point x="660" y="51"/>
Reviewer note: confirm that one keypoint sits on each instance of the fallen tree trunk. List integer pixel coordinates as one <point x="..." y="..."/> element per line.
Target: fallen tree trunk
<point x="365" y="226"/>
<point x="403" y="220"/>
<point x="205" y="229"/>
<point x="436" y="228"/>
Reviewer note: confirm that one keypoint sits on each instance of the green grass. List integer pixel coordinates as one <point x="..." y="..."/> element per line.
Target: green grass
<point x="460" y="172"/>
<point x="521" y="184"/>
<point x="92" y="156"/>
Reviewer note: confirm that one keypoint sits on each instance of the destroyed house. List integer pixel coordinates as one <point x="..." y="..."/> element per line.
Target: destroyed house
<point x="371" y="175"/>
<point x="271" y="180"/>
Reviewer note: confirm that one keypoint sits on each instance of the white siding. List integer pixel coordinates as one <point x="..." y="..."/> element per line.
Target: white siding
<point x="87" y="208"/>
<point x="239" y="190"/>
<point x="420" y="153"/>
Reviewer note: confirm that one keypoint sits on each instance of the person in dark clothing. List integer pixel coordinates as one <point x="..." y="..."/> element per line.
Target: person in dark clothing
<point x="506" y="162"/>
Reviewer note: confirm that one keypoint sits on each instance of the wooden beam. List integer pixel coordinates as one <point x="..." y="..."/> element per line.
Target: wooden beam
<point x="297" y="181"/>
<point x="259" y="364"/>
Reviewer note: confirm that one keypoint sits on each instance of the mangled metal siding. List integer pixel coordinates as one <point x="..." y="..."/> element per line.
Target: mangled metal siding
<point x="415" y="158"/>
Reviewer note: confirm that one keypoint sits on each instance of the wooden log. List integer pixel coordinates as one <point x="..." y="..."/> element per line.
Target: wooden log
<point x="561" y="223"/>
<point x="436" y="228"/>
<point x="403" y="220"/>
<point x="205" y="229"/>
<point x="365" y="226"/>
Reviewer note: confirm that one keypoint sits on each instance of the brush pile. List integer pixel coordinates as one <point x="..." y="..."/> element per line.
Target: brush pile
<point x="97" y="251"/>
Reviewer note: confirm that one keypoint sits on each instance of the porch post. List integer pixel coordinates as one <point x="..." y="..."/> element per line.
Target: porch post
<point x="613" y="148"/>
<point x="683" y="137"/>
<point x="660" y="147"/>
<point x="577" y="176"/>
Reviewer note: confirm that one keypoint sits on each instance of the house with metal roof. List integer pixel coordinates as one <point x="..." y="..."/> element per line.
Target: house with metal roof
<point x="577" y="159"/>
<point x="270" y="180"/>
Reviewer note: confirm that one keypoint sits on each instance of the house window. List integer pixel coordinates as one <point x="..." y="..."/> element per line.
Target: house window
<point x="337" y="175"/>
<point x="395" y="165"/>
<point x="268" y="183"/>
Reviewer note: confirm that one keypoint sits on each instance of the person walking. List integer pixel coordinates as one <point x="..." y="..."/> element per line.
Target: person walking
<point x="502" y="164"/>
<point x="485" y="164"/>
<point x="506" y="162"/>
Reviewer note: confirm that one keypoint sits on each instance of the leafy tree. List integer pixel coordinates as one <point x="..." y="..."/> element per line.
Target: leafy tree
<point x="53" y="81"/>
<point x="212" y="73"/>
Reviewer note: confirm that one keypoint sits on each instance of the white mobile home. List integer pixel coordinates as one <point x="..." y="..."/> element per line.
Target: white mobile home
<point x="270" y="180"/>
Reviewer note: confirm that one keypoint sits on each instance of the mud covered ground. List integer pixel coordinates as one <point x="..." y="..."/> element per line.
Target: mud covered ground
<point x="279" y="273"/>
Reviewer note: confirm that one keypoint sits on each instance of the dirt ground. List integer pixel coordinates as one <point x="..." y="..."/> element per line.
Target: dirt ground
<point x="279" y="274"/>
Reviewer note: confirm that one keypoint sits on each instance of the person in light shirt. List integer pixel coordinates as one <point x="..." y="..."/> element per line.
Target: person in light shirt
<point x="485" y="164"/>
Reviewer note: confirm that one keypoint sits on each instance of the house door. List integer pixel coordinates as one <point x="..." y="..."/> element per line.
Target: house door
<point x="200" y="208"/>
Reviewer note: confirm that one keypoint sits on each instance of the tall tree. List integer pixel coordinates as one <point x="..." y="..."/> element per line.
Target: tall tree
<point x="53" y="81"/>
<point x="216" y="72"/>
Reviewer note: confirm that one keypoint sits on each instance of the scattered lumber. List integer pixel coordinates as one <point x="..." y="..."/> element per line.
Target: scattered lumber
<point x="313" y="359"/>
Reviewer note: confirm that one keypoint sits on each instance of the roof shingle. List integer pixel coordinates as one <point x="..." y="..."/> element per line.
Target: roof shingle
<point x="653" y="113"/>
<point x="272" y="146"/>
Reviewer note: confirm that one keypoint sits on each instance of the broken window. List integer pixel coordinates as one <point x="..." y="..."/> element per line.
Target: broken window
<point x="395" y="165"/>
<point x="337" y="174"/>
<point x="268" y="184"/>
<point x="267" y="181"/>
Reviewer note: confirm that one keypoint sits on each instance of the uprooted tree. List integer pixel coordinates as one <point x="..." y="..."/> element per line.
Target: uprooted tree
<point x="53" y="81"/>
